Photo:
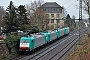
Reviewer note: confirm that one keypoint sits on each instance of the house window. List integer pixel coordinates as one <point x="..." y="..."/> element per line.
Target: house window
<point x="46" y="9"/>
<point x="58" y="9"/>
<point x="58" y="21"/>
<point x="52" y="15"/>
<point x="49" y="10"/>
<point x="52" y="9"/>
<point x="58" y="15"/>
<point x="52" y="20"/>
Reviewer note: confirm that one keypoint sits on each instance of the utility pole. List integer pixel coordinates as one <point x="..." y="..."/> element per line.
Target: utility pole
<point x="80" y="19"/>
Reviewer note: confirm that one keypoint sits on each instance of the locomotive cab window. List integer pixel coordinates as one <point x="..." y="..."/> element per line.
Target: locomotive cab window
<point x="25" y="41"/>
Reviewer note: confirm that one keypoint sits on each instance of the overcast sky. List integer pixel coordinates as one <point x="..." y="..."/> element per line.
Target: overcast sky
<point x="70" y="5"/>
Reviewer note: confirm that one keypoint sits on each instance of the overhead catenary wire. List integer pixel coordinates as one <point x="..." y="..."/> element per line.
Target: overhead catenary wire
<point x="66" y="2"/>
<point x="71" y="4"/>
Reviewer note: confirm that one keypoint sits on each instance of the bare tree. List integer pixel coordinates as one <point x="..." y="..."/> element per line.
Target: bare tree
<point x="65" y="12"/>
<point x="36" y="14"/>
<point x="86" y="6"/>
<point x="2" y="14"/>
<point x="32" y="6"/>
<point x="42" y="17"/>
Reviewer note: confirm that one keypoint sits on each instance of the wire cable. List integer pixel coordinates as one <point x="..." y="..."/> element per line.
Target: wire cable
<point x="71" y="4"/>
<point x="66" y="2"/>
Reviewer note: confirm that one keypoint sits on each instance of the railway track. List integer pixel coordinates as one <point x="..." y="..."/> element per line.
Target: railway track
<point x="65" y="49"/>
<point x="53" y="51"/>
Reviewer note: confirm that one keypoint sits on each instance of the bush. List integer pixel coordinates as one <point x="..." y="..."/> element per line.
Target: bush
<point x="35" y="29"/>
<point x="72" y="28"/>
<point x="32" y="28"/>
<point x="11" y="40"/>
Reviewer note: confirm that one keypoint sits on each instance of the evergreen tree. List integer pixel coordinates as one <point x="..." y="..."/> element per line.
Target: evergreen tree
<point x="68" y="22"/>
<point x="10" y="18"/>
<point x="22" y="16"/>
<point x="15" y="17"/>
<point x="73" y="21"/>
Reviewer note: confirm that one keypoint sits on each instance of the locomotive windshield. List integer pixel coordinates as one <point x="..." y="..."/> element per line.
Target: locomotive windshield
<point x="25" y="41"/>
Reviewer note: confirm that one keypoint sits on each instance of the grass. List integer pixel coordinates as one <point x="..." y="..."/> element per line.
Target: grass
<point x="9" y="56"/>
<point x="83" y="48"/>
